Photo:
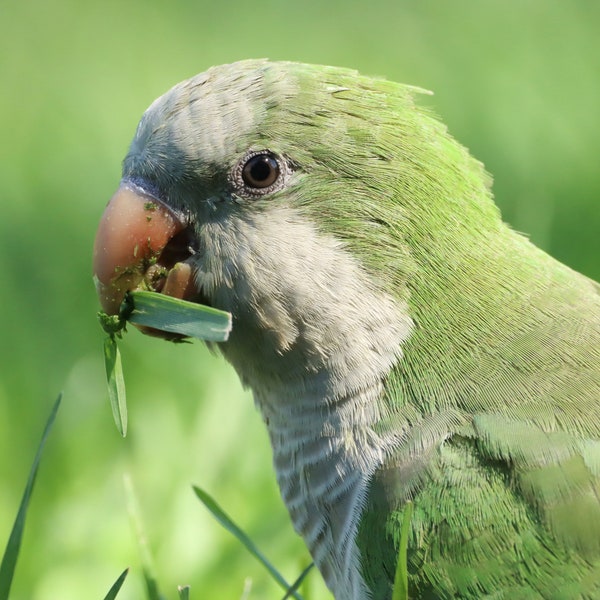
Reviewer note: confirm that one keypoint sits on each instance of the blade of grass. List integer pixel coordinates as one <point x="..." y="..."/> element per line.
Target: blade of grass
<point x="247" y="589"/>
<point x="305" y="588"/>
<point x="138" y="528"/>
<point x="179" y="316"/>
<point x="116" y="586"/>
<point x="228" y="524"/>
<point x="296" y="585"/>
<point x="11" y="553"/>
<point x="184" y="592"/>
<point x="116" y="383"/>
<point x="401" y="578"/>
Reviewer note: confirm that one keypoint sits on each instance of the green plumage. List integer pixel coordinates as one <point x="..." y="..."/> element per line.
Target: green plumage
<point x="493" y="401"/>
<point x="500" y="380"/>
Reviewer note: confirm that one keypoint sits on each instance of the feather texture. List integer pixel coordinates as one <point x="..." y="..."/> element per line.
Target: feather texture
<point x="401" y="341"/>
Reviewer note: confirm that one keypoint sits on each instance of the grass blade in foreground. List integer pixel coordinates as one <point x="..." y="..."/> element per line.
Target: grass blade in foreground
<point x="145" y="556"/>
<point x="178" y="316"/>
<point x="9" y="560"/>
<point x="114" y="590"/>
<point x="184" y="592"/>
<point x="226" y="522"/>
<point x="401" y="578"/>
<point x="296" y="585"/>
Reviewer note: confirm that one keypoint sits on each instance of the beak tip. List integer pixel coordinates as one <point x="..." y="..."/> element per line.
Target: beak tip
<point x="110" y="296"/>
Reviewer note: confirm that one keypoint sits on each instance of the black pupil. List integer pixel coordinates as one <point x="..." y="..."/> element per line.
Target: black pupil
<point x="260" y="171"/>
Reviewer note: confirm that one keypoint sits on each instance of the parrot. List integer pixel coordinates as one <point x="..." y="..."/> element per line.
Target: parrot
<point x="405" y="347"/>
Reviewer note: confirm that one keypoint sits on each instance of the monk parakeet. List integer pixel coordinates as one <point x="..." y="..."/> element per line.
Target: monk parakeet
<point x="401" y="342"/>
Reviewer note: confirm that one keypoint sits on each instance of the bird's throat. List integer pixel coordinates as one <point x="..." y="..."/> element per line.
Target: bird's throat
<point x="325" y="454"/>
<point x="314" y="336"/>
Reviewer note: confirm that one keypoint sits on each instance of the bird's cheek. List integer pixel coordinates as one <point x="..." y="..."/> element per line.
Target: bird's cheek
<point x="140" y="242"/>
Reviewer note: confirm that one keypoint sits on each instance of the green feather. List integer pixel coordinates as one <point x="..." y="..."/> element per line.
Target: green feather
<point x="502" y="374"/>
<point x="493" y="399"/>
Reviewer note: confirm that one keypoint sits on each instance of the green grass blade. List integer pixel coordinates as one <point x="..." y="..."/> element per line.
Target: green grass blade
<point x="150" y="579"/>
<point x="296" y="585"/>
<point x="116" y="383"/>
<point x="178" y="316"/>
<point x="11" y="553"/>
<point x="228" y="524"/>
<point x="401" y="578"/>
<point x="305" y="588"/>
<point x="114" y="590"/>
<point x="184" y="592"/>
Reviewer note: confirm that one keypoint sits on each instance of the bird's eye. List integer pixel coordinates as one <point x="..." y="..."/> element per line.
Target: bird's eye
<point x="261" y="171"/>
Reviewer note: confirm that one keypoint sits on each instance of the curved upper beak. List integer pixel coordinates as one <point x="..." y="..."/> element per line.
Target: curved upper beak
<point x="140" y="242"/>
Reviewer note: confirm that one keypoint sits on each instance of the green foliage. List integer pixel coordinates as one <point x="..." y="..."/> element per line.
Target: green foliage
<point x="135" y="515"/>
<point x="231" y="526"/>
<point x="116" y="383"/>
<point x="300" y="583"/>
<point x="11" y="553"/>
<point x="114" y="590"/>
<point x="522" y="96"/>
<point x="178" y="316"/>
<point x="159" y="312"/>
<point x="184" y="592"/>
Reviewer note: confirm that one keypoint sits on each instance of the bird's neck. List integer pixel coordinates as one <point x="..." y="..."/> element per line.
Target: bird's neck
<point x="325" y="453"/>
<point x="314" y="336"/>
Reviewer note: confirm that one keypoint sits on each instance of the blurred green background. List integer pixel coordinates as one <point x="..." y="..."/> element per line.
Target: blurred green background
<point x="516" y="82"/>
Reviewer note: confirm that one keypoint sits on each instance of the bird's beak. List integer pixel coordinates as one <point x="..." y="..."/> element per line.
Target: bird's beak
<point x="140" y="244"/>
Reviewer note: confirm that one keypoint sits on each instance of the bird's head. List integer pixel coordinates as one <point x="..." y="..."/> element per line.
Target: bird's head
<point x="299" y="198"/>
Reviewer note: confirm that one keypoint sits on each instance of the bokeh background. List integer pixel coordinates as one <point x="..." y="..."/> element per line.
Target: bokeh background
<point x="517" y="82"/>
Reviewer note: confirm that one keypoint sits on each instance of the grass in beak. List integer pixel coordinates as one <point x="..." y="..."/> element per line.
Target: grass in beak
<point x="159" y="312"/>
